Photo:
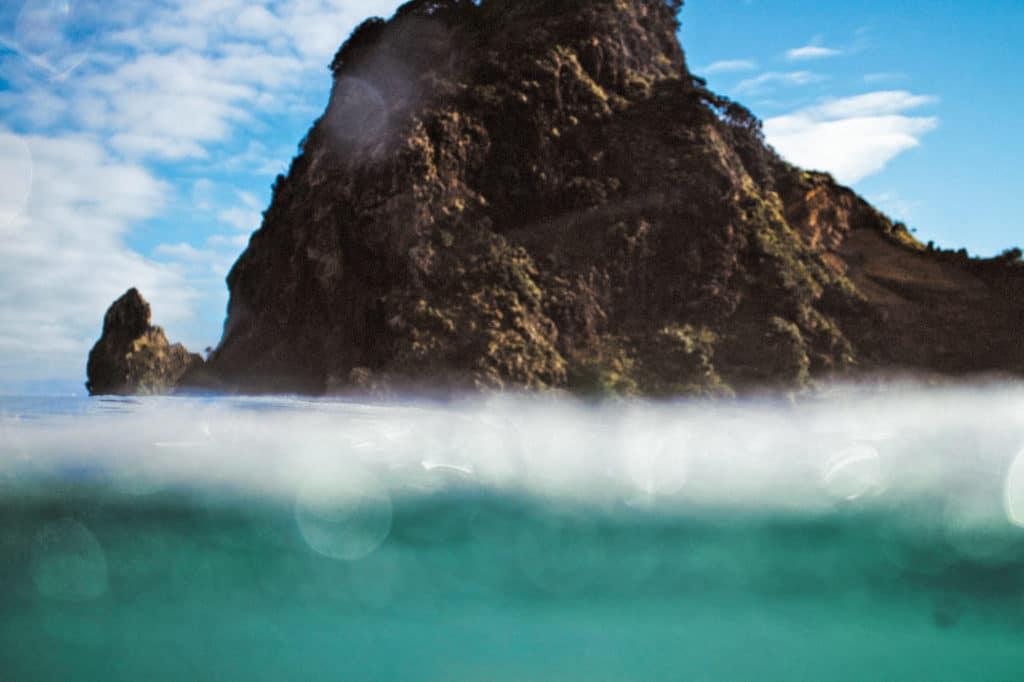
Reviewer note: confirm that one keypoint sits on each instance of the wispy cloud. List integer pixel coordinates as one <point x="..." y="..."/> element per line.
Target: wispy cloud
<point x="771" y="79"/>
<point x="895" y="205"/>
<point x="236" y="241"/>
<point x="884" y="77"/>
<point x="811" y="52"/>
<point x="168" y="79"/>
<point x="243" y="218"/>
<point x="852" y="137"/>
<point x="729" y="66"/>
<point x="63" y="255"/>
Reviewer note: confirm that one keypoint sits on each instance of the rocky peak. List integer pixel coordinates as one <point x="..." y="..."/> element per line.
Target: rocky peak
<point x="132" y="356"/>
<point x="128" y="317"/>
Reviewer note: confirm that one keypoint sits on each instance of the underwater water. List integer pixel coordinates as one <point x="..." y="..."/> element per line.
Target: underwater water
<point x="859" y="535"/>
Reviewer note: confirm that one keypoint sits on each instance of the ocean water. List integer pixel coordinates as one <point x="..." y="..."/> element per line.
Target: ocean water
<point x="857" y="535"/>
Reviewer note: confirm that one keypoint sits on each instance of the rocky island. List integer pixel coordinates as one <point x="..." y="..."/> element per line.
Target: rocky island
<point x="524" y="193"/>
<point x="133" y="356"/>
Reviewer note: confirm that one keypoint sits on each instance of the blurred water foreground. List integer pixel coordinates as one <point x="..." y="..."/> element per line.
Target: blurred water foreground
<point x="854" y="536"/>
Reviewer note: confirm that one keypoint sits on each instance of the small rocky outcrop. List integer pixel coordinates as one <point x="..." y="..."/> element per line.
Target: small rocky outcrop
<point x="133" y="356"/>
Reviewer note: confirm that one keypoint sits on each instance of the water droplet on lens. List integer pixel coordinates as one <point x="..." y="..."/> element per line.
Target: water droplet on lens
<point x="854" y="472"/>
<point x="1013" y="491"/>
<point x="68" y="562"/>
<point x="347" y="519"/>
<point x="358" y="114"/>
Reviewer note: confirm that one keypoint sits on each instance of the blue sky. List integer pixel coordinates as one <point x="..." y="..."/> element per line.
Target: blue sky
<point x="954" y="65"/>
<point x="138" y="141"/>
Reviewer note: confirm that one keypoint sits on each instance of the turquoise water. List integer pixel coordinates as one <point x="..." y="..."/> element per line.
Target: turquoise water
<point x="859" y="536"/>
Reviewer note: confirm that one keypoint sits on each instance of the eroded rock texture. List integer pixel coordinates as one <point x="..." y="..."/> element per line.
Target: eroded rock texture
<point x="524" y="193"/>
<point x="132" y="356"/>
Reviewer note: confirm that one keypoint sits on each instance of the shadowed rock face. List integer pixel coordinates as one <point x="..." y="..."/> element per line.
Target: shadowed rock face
<point x="132" y="356"/>
<point x="520" y="193"/>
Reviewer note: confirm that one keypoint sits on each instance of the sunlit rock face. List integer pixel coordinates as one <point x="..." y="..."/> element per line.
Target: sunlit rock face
<point x="133" y="356"/>
<point x="539" y="194"/>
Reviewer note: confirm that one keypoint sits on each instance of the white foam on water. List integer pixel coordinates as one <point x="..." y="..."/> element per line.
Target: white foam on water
<point x="848" y="449"/>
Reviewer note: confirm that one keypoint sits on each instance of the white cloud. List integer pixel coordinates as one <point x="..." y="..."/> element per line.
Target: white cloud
<point x="258" y="22"/>
<point x="853" y="137"/>
<point x="894" y="205"/>
<point x="235" y="241"/>
<point x="182" y="76"/>
<point x="170" y="105"/>
<point x="38" y="107"/>
<point x="16" y="170"/>
<point x="245" y="216"/>
<point x="249" y="199"/>
<point x="767" y="80"/>
<point x="810" y="52"/>
<point x="241" y="219"/>
<point x="729" y="66"/>
<point x="258" y="159"/>
<point x="871" y="104"/>
<point x="64" y="255"/>
<point x="883" y="77"/>
<point x="204" y="267"/>
<point x="180" y="251"/>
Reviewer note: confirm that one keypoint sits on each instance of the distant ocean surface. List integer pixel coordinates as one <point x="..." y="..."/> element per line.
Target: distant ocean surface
<point x="858" y="535"/>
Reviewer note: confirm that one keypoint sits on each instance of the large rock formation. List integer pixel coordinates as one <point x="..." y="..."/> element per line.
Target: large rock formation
<point x="132" y="356"/>
<point x="540" y="194"/>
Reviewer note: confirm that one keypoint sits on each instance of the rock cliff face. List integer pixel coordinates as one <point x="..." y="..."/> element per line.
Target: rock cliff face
<point x="132" y="356"/>
<point x="523" y="193"/>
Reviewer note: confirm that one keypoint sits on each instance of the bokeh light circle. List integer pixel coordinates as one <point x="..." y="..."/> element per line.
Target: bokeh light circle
<point x="68" y="562"/>
<point x="346" y="519"/>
